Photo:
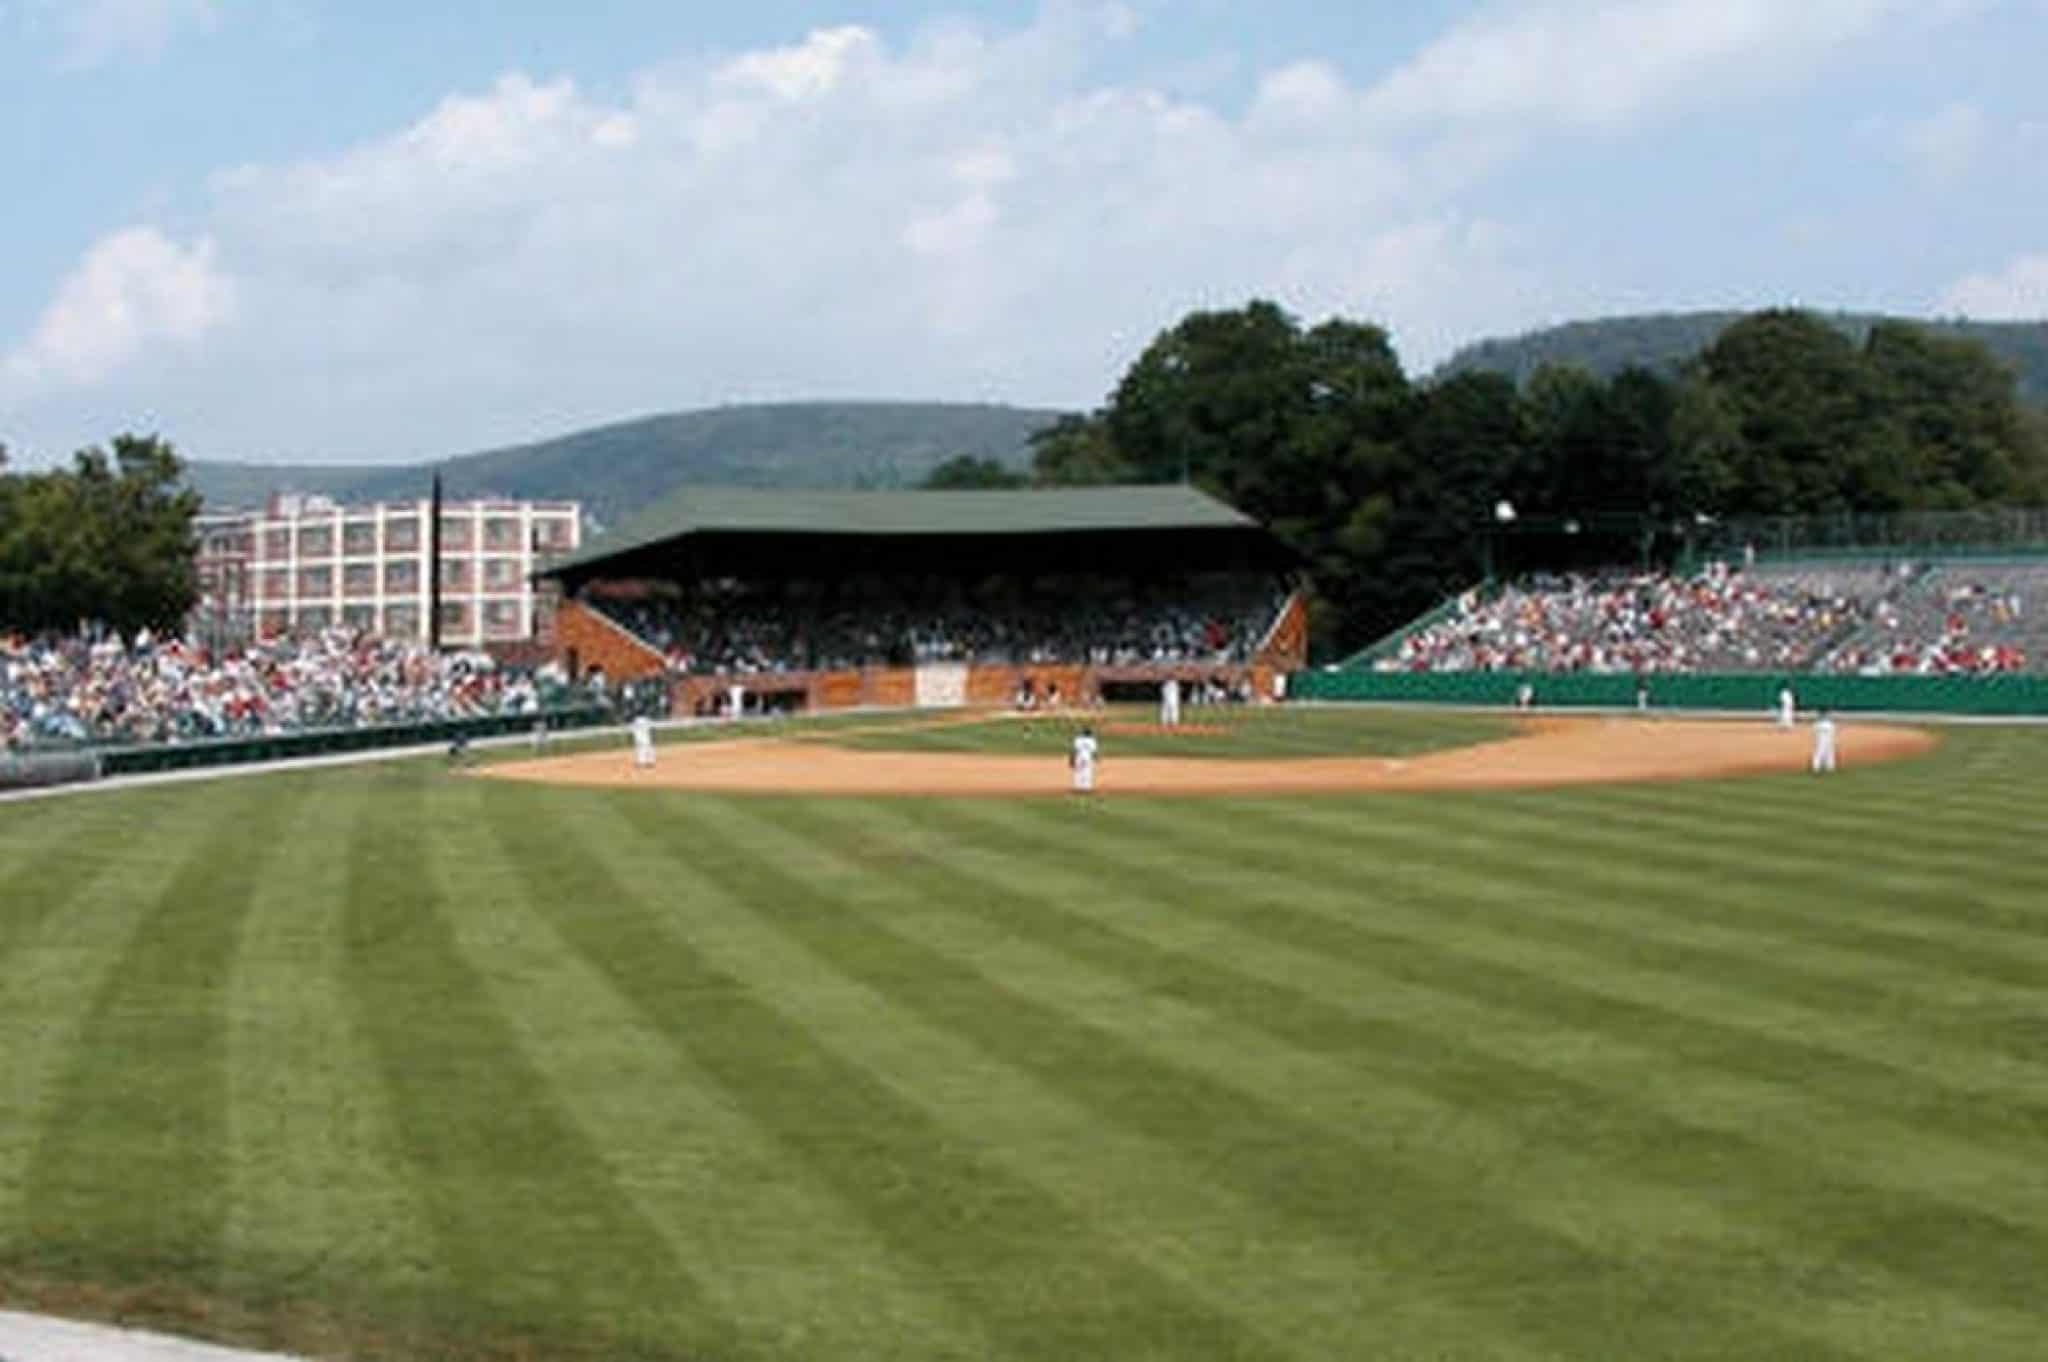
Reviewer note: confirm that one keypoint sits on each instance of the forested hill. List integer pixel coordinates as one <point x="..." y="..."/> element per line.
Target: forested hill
<point x="1664" y="341"/>
<point x="613" y="469"/>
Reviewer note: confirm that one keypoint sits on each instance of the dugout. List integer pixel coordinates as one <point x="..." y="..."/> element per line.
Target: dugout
<point x="864" y="554"/>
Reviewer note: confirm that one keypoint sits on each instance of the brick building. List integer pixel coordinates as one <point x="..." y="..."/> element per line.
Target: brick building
<point x="305" y="563"/>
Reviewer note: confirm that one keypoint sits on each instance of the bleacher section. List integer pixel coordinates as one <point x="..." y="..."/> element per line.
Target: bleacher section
<point x="1962" y="618"/>
<point x="1873" y="618"/>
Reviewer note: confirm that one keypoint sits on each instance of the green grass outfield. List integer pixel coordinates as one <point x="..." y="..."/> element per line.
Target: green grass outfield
<point x="389" y="1063"/>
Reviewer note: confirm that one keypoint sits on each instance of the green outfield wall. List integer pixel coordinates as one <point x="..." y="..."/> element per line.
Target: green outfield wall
<point x="141" y="759"/>
<point x="1755" y="691"/>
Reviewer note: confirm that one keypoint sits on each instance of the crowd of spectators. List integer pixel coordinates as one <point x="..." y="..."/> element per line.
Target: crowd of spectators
<point x="1953" y="621"/>
<point x="1644" y="622"/>
<point x="148" y="689"/>
<point x="746" y="633"/>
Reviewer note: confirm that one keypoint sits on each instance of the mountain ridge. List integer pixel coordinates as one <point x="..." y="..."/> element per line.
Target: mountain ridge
<point x="621" y="465"/>
<point x="1664" y="341"/>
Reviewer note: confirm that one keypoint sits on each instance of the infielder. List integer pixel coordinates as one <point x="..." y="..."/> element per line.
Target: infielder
<point x="643" y="743"/>
<point x="1823" y="743"/>
<point x="1787" y="706"/>
<point x="1082" y="761"/>
<point x="1169" y="703"/>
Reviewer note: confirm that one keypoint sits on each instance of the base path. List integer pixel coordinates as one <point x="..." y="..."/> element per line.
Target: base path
<point x="1548" y="751"/>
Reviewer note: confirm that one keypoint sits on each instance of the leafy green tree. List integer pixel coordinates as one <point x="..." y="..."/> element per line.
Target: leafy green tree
<point x="108" y="539"/>
<point x="965" y="472"/>
<point x="1804" y="406"/>
<point x="1076" y="451"/>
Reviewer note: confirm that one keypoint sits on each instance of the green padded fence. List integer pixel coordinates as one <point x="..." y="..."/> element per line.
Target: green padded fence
<point x="141" y="759"/>
<point x="1755" y="691"/>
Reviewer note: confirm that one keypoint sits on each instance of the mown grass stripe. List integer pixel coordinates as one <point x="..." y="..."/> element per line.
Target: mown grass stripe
<point x="145" y="1089"/>
<point x="1944" y="916"/>
<point x="1459" y="1067"/>
<point x="1647" y="918"/>
<point x="542" y="1253"/>
<point x="1226" y="1249"/>
<point x="65" y="923"/>
<point x="1427" y="921"/>
<point x="1397" y="1215"/>
<point x="778" y="1260"/>
<point x="320" y="1222"/>
<point x="1587" y="893"/>
<point x="1667" y="1146"/>
<point x="1028" y="1270"/>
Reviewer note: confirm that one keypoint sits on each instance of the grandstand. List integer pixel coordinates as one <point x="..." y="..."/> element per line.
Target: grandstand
<point x="1872" y="618"/>
<point x="821" y="600"/>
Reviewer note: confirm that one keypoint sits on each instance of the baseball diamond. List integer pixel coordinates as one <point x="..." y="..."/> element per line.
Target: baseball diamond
<point x="393" y="1061"/>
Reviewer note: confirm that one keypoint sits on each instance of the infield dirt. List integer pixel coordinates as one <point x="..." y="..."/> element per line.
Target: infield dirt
<point x="1547" y="751"/>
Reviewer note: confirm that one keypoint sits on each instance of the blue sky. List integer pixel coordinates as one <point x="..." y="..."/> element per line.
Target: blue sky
<point x="372" y="232"/>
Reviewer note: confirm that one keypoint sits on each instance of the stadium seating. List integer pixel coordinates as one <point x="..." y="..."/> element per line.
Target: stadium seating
<point x="1872" y="617"/>
<point x="57" y="693"/>
<point x="755" y="633"/>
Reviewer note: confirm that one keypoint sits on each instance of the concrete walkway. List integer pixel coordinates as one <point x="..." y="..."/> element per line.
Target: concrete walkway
<point x="34" y="1338"/>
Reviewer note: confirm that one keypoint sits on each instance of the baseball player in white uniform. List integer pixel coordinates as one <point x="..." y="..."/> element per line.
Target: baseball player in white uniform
<point x="643" y="743"/>
<point x="1823" y="743"/>
<point x="735" y="702"/>
<point x="1169" y="703"/>
<point x="1082" y="761"/>
<point x="1788" y="706"/>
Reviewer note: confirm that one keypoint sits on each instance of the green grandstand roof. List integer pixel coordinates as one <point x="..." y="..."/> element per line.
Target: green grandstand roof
<point x="1039" y="511"/>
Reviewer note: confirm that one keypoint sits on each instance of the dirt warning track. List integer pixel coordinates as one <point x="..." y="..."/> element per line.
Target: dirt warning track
<point x="1549" y="751"/>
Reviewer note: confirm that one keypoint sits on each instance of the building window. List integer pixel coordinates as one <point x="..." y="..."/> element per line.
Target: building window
<point x="501" y="533"/>
<point x="359" y="579"/>
<point x="361" y="619"/>
<point x="314" y="617"/>
<point x="316" y="581"/>
<point x="277" y="583"/>
<point x="455" y="572"/>
<point x="454" y="616"/>
<point x="402" y="621"/>
<point x="359" y="538"/>
<point x="501" y="618"/>
<point x="402" y="576"/>
<point x="316" y="541"/>
<point x="501" y="574"/>
<point x="401" y="536"/>
<point x="455" y="532"/>
<point x="277" y="544"/>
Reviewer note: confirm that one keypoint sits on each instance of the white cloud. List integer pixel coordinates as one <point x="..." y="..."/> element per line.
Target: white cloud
<point x="98" y="31"/>
<point x="1946" y="144"/>
<point x="966" y="214"/>
<point x="1605" y="62"/>
<point x="132" y="289"/>
<point x="2019" y="292"/>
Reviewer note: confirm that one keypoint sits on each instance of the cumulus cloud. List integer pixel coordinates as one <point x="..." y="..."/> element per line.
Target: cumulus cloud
<point x="132" y="289"/>
<point x="1603" y="63"/>
<point x="967" y="213"/>
<point x="2018" y="292"/>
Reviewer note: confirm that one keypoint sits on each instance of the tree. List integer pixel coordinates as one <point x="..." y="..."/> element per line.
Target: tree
<point x="1302" y="430"/>
<point x="966" y="472"/>
<point x="1076" y="451"/>
<point x="1803" y="406"/>
<point x="108" y="539"/>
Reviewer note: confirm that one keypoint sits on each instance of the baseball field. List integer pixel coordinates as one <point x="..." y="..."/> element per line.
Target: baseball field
<point x="400" y="1062"/>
